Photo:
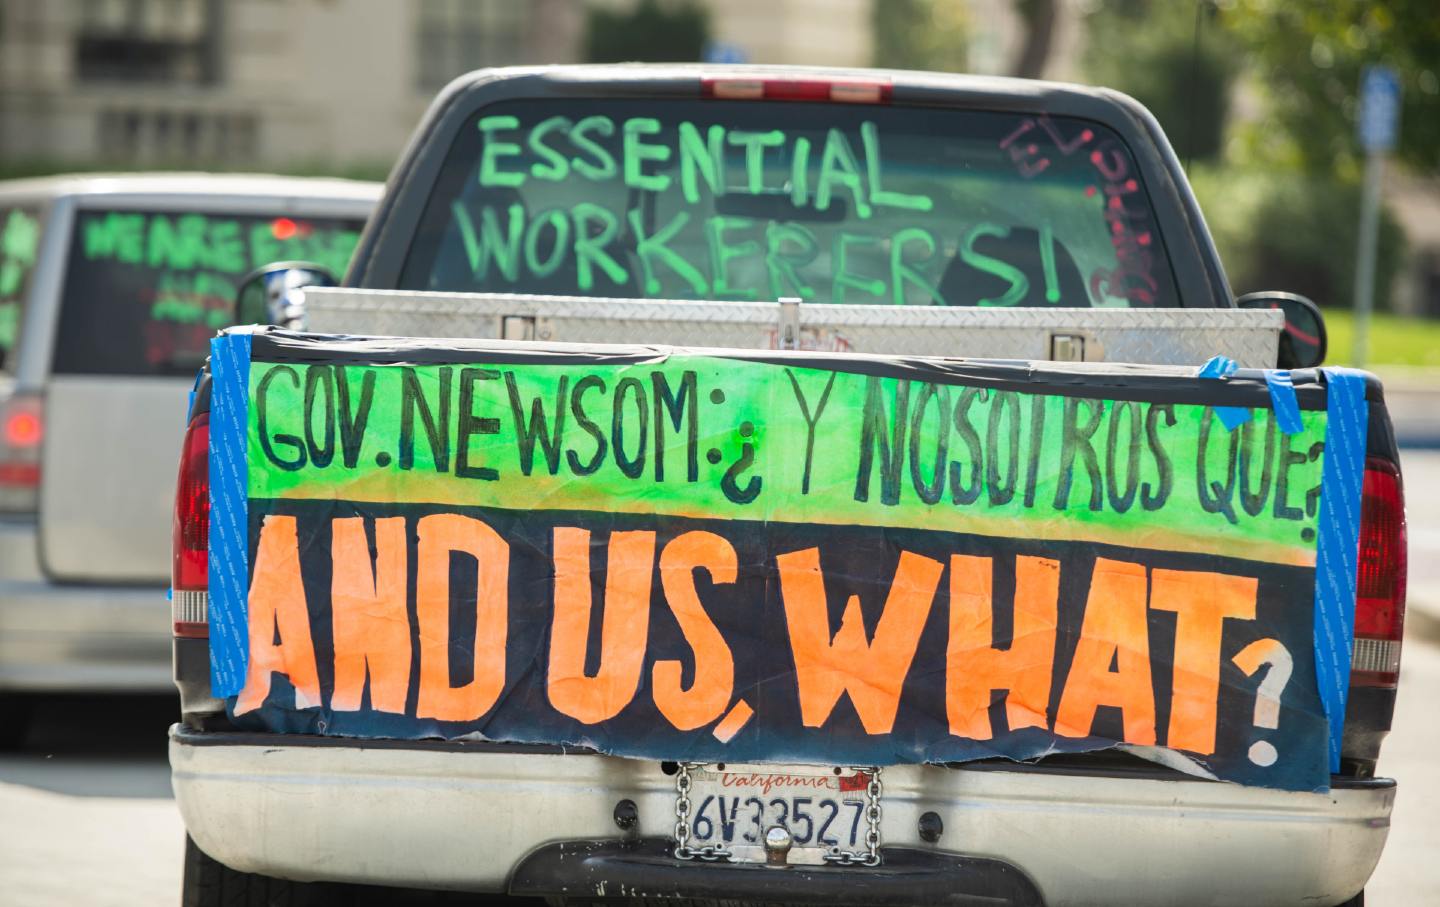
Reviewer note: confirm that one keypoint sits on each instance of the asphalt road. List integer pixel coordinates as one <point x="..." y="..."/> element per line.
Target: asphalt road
<point x="86" y="816"/>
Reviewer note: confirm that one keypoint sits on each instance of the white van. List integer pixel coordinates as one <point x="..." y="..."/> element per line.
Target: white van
<point x="110" y="290"/>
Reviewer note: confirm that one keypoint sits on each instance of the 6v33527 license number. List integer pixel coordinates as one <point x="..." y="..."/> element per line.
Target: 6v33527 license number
<point x="824" y="810"/>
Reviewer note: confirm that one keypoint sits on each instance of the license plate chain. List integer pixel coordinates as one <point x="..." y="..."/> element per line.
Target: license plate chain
<point x="715" y="853"/>
<point x="683" y="850"/>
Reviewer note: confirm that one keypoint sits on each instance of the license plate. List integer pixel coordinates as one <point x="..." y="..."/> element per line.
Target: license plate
<point x="822" y="807"/>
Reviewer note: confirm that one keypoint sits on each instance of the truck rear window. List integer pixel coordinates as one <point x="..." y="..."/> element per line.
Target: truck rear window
<point x="145" y="291"/>
<point x="19" y="249"/>
<point x="837" y="203"/>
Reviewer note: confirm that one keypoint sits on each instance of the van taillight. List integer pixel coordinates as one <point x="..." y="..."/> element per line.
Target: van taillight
<point x="22" y="428"/>
<point x="1380" y="582"/>
<point x="190" y="558"/>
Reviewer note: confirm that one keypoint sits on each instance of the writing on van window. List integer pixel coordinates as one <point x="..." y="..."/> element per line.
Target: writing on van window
<point x="196" y="258"/>
<point x="200" y="242"/>
<point x="636" y="206"/>
<point x="146" y="290"/>
<point x="19" y="247"/>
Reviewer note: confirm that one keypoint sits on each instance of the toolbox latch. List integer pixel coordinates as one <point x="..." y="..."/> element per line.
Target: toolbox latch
<point x="1067" y="348"/>
<point x="526" y="327"/>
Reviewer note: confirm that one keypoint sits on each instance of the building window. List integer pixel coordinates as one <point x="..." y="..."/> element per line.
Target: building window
<point x="456" y="36"/>
<point x="177" y="136"/>
<point x="173" y="41"/>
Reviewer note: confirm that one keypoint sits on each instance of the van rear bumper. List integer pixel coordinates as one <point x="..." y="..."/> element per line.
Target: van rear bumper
<point x="483" y="817"/>
<point x="62" y="637"/>
<point x="83" y="638"/>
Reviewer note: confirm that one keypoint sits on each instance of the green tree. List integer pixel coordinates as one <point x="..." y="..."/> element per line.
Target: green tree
<point x="920" y="34"/>
<point x="1172" y="58"/>
<point x="1284" y="229"/>
<point x="1307" y="57"/>
<point x="652" y="32"/>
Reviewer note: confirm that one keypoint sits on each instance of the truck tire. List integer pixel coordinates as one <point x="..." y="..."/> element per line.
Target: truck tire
<point x="209" y="883"/>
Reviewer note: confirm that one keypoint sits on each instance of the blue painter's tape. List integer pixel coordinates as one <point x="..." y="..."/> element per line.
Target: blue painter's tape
<point x="1337" y="553"/>
<point x="1219" y="368"/>
<point x="1283" y="402"/>
<point x="190" y="399"/>
<point x="229" y="512"/>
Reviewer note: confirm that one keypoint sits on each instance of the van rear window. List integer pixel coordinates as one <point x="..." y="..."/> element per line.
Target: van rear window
<point x="145" y="291"/>
<point x="833" y="203"/>
<point x="19" y="249"/>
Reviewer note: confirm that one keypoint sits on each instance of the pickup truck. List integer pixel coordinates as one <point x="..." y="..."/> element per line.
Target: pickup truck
<point x="979" y="631"/>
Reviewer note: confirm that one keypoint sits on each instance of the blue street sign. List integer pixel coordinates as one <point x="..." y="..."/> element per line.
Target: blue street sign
<point x="722" y="52"/>
<point x="1379" y="108"/>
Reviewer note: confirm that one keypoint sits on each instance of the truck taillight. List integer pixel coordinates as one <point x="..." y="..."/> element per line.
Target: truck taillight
<point x="1380" y="582"/>
<point x="22" y="428"/>
<point x="190" y="558"/>
<point x="784" y="88"/>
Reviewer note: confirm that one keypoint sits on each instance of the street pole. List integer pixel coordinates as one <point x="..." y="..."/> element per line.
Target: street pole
<point x="1365" y="255"/>
<point x="1377" y="126"/>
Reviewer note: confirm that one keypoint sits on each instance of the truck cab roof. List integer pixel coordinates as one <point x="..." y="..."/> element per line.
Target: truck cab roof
<point x="385" y="258"/>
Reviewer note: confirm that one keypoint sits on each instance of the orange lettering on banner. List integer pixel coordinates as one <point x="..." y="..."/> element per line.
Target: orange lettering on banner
<point x="440" y="535"/>
<point x="1201" y="602"/>
<point x="370" y="624"/>
<point x="873" y="673"/>
<point x="624" y="631"/>
<point x="974" y="669"/>
<point x="277" y="600"/>
<point x="1114" y="629"/>
<point x="714" y="678"/>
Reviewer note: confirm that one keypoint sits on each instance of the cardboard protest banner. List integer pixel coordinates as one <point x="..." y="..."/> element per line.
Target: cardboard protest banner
<point x="748" y="557"/>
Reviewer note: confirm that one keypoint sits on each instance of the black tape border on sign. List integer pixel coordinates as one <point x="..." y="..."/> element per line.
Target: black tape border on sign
<point x="1105" y="381"/>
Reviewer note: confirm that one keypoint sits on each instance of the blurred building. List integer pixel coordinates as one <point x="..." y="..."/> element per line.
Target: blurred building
<point x="307" y="84"/>
<point x="814" y="32"/>
<point x="337" y="85"/>
<point x="256" y="83"/>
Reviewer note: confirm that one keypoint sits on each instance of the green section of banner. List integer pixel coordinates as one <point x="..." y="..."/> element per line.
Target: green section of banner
<point x="730" y="439"/>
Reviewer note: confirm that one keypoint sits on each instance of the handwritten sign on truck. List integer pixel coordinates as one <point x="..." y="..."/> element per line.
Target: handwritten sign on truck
<point x="754" y="557"/>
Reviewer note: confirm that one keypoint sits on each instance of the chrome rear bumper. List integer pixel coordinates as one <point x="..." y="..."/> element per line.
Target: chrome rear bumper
<point x="470" y="816"/>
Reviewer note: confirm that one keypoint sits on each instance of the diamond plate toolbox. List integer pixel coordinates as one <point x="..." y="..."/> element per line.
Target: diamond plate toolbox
<point x="1149" y="336"/>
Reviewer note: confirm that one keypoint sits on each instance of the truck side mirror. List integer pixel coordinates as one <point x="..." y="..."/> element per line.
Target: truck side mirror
<point x="1302" y="340"/>
<point x="268" y="294"/>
